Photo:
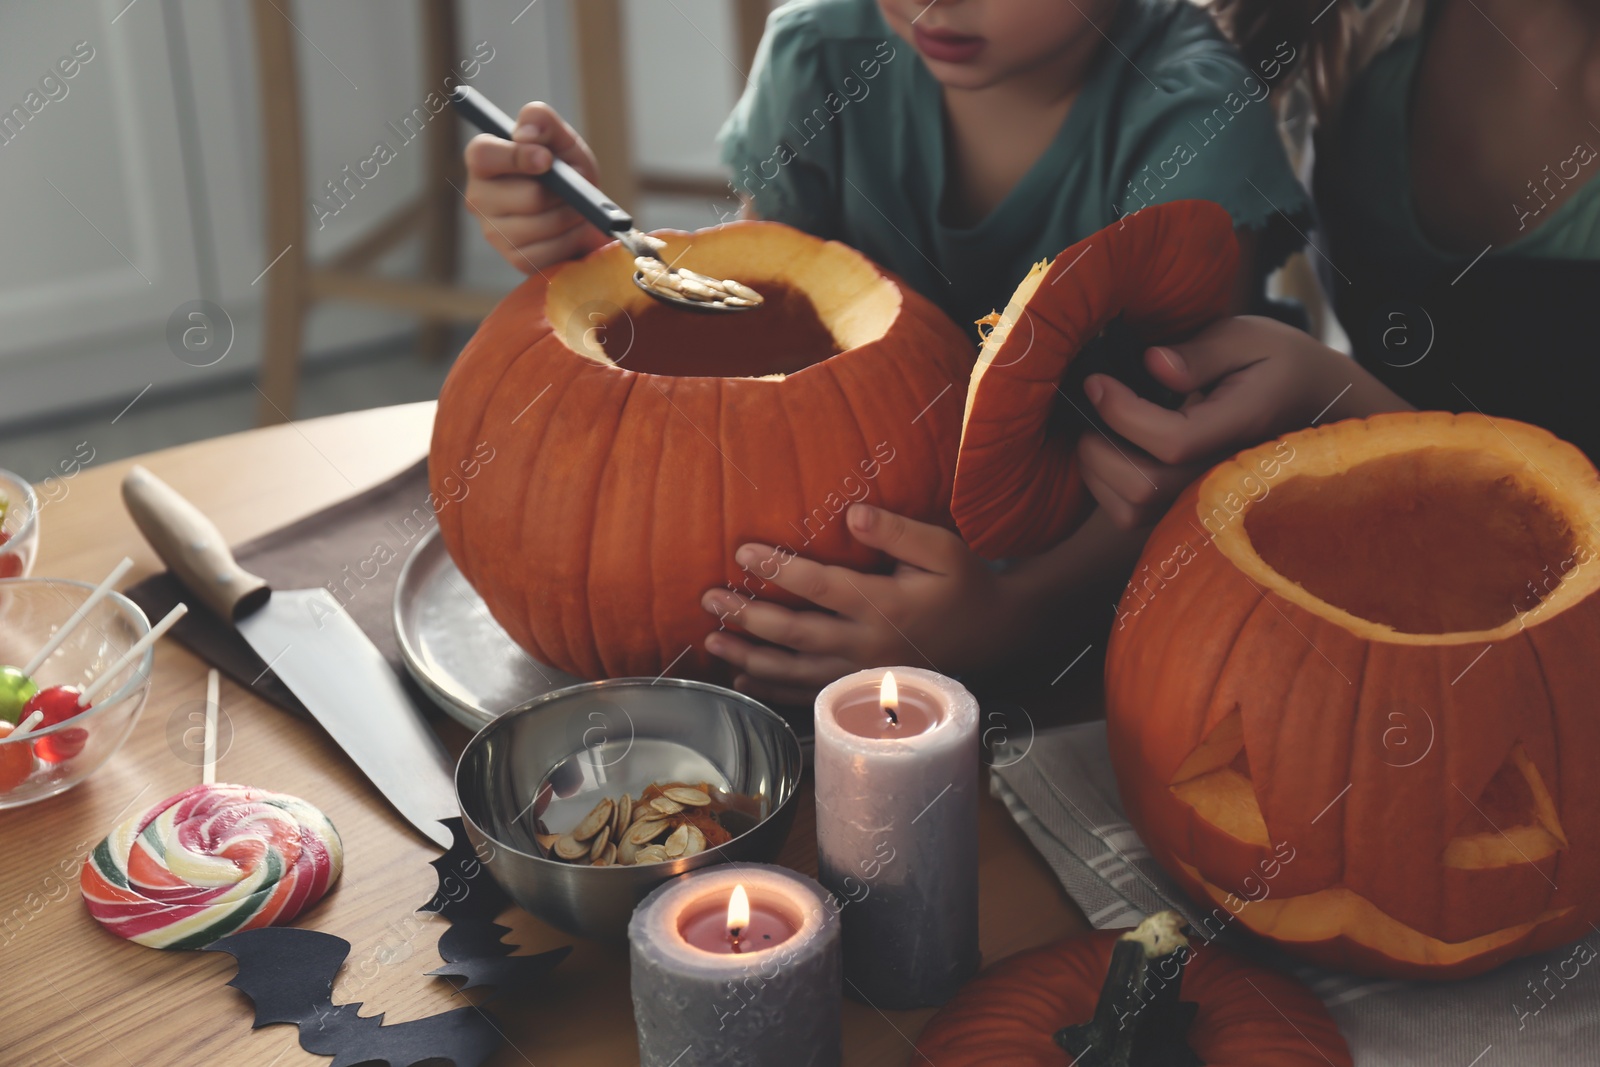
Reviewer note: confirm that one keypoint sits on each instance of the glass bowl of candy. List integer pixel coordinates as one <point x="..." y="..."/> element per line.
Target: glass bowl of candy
<point x="68" y="740"/>
<point x="19" y="526"/>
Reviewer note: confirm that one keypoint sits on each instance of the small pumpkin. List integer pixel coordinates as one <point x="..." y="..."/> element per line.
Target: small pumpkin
<point x="1164" y="272"/>
<point x="1244" y="1016"/>
<point x="601" y="456"/>
<point x="1351" y="693"/>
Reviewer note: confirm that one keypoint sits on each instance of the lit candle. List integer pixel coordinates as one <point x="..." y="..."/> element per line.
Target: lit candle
<point x="897" y="831"/>
<point x="737" y="928"/>
<point x="737" y="966"/>
<point x="881" y="712"/>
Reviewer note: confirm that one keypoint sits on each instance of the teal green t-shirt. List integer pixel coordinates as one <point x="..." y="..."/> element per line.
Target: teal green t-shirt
<point x="840" y="133"/>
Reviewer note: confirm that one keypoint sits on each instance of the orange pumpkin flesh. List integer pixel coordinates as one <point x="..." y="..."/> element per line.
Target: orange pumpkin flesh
<point x="1166" y="270"/>
<point x="1248" y="1016"/>
<point x="1371" y="647"/>
<point x="628" y="462"/>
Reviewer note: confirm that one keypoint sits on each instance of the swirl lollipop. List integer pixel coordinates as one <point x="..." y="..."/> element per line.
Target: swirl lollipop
<point x="209" y="862"/>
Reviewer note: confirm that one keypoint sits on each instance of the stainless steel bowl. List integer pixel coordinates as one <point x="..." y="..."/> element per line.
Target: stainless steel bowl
<point x="556" y="756"/>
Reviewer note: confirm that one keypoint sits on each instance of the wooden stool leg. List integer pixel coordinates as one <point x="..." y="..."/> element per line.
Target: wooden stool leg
<point x="446" y="173"/>
<point x="749" y="23"/>
<point x="603" y="86"/>
<point x="285" y="300"/>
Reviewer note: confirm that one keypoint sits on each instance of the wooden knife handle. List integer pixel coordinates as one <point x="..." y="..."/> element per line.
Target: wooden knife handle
<point x="192" y="546"/>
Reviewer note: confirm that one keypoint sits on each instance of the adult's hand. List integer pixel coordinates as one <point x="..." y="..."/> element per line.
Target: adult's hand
<point x="1245" y="380"/>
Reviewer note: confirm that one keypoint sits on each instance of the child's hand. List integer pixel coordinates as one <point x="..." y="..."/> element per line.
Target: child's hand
<point x="1248" y="379"/>
<point x="942" y="608"/>
<point x="525" y="222"/>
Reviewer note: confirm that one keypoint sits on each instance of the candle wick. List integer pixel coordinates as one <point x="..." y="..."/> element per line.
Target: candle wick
<point x="894" y="719"/>
<point x="734" y="934"/>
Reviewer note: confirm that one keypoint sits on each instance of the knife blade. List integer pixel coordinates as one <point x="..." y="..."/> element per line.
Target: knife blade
<point x="316" y="649"/>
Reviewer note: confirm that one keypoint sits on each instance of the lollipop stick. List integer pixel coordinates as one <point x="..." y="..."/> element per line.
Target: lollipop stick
<point x="135" y="650"/>
<point x="26" y="726"/>
<point x="208" y="773"/>
<point x="99" y="594"/>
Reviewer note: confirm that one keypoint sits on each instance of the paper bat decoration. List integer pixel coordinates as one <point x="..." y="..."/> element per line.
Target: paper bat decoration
<point x="471" y="900"/>
<point x="288" y="975"/>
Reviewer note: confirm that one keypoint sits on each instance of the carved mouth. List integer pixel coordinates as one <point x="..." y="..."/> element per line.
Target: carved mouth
<point x="1344" y="913"/>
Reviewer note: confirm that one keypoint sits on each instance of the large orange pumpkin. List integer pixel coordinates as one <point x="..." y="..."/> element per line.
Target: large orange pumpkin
<point x="1164" y="271"/>
<point x="632" y="447"/>
<point x="1248" y="1016"/>
<point x="1351" y="693"/>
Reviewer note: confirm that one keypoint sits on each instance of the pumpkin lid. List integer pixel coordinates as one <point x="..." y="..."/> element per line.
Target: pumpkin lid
<point x="1165" y="270"/>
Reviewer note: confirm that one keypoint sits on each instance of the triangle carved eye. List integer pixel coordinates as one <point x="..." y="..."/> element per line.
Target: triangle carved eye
<point x="1512" y="822"/>
<point x="1215" y="781"/>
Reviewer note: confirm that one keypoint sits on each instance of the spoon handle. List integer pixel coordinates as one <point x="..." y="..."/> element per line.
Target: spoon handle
<point x="561" y="179"/>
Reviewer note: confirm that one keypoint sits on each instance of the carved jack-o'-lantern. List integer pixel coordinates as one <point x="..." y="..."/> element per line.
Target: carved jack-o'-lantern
<point x="1352" y="693"/>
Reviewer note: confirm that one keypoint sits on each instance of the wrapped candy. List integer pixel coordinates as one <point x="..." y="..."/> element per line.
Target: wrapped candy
<point x="209" y="862"/>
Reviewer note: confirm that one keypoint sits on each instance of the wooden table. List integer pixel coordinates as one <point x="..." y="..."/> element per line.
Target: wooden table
<point x="74" y="994"/>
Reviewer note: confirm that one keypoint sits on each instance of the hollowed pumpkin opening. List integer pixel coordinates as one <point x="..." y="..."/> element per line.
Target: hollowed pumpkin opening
<point x="1434" y="541"/>
<point x="821" y="299"/>
<point x="1396" y="537"/>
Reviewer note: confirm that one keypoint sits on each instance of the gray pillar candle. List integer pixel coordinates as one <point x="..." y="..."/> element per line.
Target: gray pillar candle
<point x="772" y="1003"/>
<point x="897" y="833"/>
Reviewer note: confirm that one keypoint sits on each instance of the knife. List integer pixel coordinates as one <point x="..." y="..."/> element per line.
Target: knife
<point x="311" y="643"/>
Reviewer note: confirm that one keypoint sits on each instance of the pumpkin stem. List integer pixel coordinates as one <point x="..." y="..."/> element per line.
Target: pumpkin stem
<point x="1139" y="1020"/>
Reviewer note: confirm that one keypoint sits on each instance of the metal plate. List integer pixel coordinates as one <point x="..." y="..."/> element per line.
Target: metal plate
<point x="453" y="647"/>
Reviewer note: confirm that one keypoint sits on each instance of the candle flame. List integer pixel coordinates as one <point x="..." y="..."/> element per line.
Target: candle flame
<point x="889" y="693"/>
<point x="738" y="911"/>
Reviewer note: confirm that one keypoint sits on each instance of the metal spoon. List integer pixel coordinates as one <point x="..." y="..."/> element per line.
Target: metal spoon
<point x="563" y="180"/>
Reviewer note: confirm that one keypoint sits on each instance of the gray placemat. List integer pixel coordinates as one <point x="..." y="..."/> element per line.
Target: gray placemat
<point x="1537" y="1011"/>
<point x="354" y="549"/>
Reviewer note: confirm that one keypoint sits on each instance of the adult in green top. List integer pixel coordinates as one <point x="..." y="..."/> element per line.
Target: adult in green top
<point x="891" y="128"/>
<point x="1466" y="292"/>
<point x="1457" y="149"/>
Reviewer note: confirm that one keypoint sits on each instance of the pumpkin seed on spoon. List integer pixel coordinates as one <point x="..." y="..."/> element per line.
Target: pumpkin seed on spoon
<point x="687" y="288"/>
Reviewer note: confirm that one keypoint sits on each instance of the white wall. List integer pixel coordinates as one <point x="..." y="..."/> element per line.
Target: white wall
<point x="157" y="146"/>
<point x="686" y="74"/>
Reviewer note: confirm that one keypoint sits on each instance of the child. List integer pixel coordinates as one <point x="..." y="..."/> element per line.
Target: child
<point x="956" y="143"/>
<point x="1455" y="180"/>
